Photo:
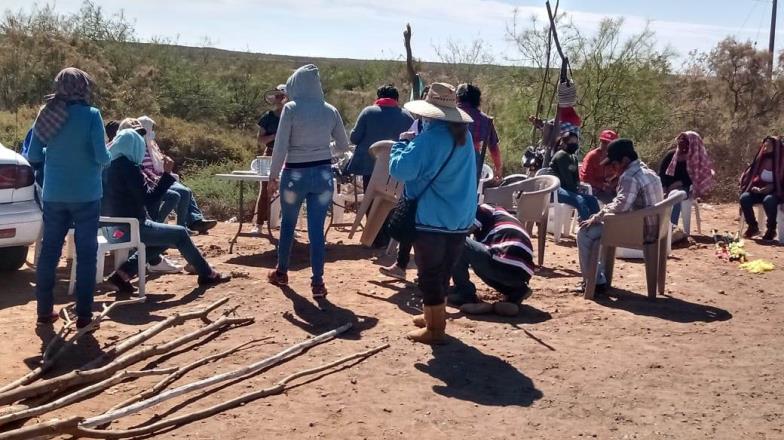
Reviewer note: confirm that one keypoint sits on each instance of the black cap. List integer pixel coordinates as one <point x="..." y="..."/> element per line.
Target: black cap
<point x="618" y="149"/>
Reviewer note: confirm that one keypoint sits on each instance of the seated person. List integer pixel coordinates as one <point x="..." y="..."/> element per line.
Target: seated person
<point x="600" y="178"/>
<point x="126" y="194"/>
<point x="500" y="255"/>
<point x="688" y="168"/>
<point x="564" y="166"/>
<point x="178" y="198"/>
<point x="638" y="188"/>
<point x="763" y="182"/>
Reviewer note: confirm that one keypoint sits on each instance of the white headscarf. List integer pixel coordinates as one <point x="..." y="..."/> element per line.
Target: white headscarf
<point x="152" y="147"/>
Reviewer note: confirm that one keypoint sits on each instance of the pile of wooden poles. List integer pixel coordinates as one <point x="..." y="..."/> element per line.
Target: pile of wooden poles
<point x="32" y="397"/>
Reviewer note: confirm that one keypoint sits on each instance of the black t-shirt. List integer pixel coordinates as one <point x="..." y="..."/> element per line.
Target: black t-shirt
<point x="681" y="172"/>
<point x="269" y="122"/>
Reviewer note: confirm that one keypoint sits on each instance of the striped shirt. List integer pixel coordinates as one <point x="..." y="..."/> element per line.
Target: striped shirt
<point x="505" y="238"/>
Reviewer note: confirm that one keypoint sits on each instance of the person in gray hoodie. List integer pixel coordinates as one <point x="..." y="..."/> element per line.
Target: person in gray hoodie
<point x="308" y="125"/>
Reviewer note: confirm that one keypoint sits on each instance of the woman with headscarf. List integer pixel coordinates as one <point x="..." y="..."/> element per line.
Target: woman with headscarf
<point x="68" y="137"/>
<point x="763" y="182"/>
<point x="179" y="198"/>
<point x="438" y="168"/>
<point x="687" y="167"/>
<point x="308" y="124"/>
<point x="127" y="194"/>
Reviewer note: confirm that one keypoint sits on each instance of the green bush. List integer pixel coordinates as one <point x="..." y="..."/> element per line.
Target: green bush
<point x="219" y="199"/>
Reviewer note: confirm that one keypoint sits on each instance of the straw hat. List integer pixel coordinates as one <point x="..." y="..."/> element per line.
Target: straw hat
<point x="440" y="103"/>
<point x="269" y="95"/>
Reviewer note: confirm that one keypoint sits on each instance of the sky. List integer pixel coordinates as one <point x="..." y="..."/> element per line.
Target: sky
<point x="372" y="29"/>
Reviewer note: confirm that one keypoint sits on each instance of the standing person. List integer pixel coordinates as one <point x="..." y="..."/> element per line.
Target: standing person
<point x="265" y="139"/>
<point x="688" y="168"/>
<point x="307" y="126"/>
<point x="469" y="99"/>
<point x="763" y="182"/>
<point x="438" y="168"/>
<point x="500" y="254"/>
<point x="592" y="171"/>
<point x="127" y="194"/>
<point x="384" y="120"/>
<point x="399" y="269"/>
<point x="72" y="132"/>
<point x="178" y="198"/>
<point x="564" y="166"/>
<point x="638" y="188"/>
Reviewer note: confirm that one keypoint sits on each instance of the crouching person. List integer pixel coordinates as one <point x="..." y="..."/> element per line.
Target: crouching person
<point x="500" y="255"/>
<point x="126" y="194"/>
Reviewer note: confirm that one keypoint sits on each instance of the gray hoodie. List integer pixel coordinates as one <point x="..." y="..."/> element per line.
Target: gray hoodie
<point x="307" y="124"/>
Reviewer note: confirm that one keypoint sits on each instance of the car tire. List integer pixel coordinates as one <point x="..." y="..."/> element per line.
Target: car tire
<point x="12" y="258"/>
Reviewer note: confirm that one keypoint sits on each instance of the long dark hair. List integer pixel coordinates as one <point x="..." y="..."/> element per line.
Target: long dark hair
<point x="459" y="130"/>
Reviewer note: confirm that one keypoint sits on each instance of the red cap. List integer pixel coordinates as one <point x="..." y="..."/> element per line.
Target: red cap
<point x="608" y="135"/>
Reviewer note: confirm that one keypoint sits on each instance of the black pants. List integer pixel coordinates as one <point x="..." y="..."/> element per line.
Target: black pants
<point x="404" y="254"/>
<point x="436" y="255"/>
<point x="769" y="201"/>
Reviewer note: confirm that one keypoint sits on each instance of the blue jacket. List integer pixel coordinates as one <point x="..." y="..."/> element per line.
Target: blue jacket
<point x="449" y="205"/>
<point x="74" y="158"/>
<point x="375" y="124"/>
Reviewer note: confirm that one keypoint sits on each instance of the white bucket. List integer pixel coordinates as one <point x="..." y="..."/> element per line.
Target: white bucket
<point x="261" y="165"/>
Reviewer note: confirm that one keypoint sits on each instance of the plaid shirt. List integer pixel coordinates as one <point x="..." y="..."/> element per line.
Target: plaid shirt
<point x="638" y="188"/>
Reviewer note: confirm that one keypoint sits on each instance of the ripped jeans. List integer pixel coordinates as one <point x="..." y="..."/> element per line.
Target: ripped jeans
<point x="313" y="185"/>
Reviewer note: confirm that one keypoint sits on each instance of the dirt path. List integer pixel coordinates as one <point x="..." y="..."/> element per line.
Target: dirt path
<point x="703" y="362"/>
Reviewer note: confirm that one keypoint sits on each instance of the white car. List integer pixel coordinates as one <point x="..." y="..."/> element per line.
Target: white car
<point x="20" y="215"/>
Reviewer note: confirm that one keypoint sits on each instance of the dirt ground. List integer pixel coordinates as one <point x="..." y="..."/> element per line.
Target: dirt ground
<point x="704" y="361"/>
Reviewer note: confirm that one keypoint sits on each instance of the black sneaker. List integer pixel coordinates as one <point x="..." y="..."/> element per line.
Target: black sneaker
<point x="770" y="234"/>
<point x="751" y="231"/>
<point x="202" y="226"/>
<point x="217" y="278"/>
<point x="121" y="285"/>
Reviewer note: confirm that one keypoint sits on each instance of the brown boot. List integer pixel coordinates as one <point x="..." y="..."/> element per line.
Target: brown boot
<point x="435" y="330"/>
<point x="419" y="321"/>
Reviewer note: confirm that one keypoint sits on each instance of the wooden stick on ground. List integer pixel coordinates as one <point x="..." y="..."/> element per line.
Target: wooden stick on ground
<point x="193" y="386"/>
<point x="81" y="394"/>
<point x="79" y="377"/>
<point x="51" y="355"/>
<point x="173" y="377"/>
<point x="233" y="403"/>
<point x="47" y="429"/>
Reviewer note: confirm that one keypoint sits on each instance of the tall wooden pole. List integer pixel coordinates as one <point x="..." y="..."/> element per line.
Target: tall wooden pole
<point x="772" y="46"/>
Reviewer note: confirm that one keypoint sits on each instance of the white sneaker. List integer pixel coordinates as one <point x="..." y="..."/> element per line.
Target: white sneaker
<point x="165" y="266"/>
<point x="256" y="230"/>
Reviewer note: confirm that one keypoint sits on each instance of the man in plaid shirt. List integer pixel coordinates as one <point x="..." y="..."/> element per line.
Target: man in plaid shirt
<point x="638" y="187"/>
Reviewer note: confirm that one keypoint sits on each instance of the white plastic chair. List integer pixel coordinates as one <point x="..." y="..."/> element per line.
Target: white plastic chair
<point x="533" y="207"/>
<point x="487" y="175"/>
<point x="563" y="218"/>
<point x="686" y="207"/>
<point x="119" y="250"/>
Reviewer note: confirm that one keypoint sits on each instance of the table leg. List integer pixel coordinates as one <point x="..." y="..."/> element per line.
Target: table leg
<point x="242" y="215"/>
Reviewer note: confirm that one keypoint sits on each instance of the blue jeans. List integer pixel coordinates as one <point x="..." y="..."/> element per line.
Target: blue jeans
<point x="586" y="205"/>
<point x="58" y="218"/>
<point x="158" y="237"/>
<point x="179" y="198"/>
<point x="586" y="240"/>
<point x="769" y="202"/>
<point x="314" y="185"/>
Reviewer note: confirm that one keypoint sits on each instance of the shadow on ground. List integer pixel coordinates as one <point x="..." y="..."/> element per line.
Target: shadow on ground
<point x="663" y="307"/>
<point x="471" y="375"/>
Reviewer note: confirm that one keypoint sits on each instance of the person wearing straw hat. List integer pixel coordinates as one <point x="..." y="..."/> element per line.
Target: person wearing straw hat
<point x="68" y="138"/>
<point x="438" y="168"/>
<point x="268" y="127"/>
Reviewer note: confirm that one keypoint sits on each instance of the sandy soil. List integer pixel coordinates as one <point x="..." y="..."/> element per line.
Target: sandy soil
<point x="702" y="362"/>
